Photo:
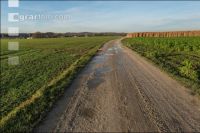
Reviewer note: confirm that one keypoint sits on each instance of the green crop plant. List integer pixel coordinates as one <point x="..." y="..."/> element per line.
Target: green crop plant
<point x="180" y="56"/>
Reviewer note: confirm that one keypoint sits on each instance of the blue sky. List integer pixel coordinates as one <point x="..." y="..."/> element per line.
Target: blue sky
<point x="107" y="16"/>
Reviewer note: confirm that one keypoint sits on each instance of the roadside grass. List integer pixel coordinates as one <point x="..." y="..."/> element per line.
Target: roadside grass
<point x="179" y="56"/>
<point x="54" y="63"/>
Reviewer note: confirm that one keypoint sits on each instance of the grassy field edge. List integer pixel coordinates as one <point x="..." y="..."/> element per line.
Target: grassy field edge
<point x="25" y="116"/>
<point x="186" y="83"/>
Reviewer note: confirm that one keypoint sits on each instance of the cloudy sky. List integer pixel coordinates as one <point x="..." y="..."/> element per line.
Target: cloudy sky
<point x="107" y="16"/>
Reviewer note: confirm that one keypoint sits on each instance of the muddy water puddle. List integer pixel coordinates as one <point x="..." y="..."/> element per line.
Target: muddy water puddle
<point x="95" y="82"/>
<point x="100" y="68"/>
<point x="97" y="78"/>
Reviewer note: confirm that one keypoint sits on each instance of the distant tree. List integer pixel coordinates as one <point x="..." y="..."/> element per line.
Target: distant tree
<point x="37" y="35"/>
<point x="49" y="35"/>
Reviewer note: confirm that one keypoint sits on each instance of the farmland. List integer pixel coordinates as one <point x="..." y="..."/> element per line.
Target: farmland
<point x="180" y="56"/>
<point x="46" y="67"/>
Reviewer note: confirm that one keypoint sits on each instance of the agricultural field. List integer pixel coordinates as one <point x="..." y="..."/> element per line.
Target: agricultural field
<point x="180" y="56"/>
<point x="46" y="67"/>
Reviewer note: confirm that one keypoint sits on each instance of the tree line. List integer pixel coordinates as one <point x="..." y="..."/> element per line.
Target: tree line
<point x="57" y="35"/>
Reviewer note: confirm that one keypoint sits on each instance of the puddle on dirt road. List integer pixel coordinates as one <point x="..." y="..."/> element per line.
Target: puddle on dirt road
<point x="103" y="56"/>
<point x="95" y="82"/>
<point x="97" y="60"/>
<point x="100" y="58"/>
<point x="100" y="68"/>
<point x="97" y="78"/>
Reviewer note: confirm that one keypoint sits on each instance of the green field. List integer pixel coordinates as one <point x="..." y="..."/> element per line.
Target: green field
<point x="46" y="67"/>
<point x="180" y="56"/>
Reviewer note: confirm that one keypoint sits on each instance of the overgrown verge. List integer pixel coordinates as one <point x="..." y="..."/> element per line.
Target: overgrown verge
<point x="25" y="116"/>
<point x="179" y="56"/>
